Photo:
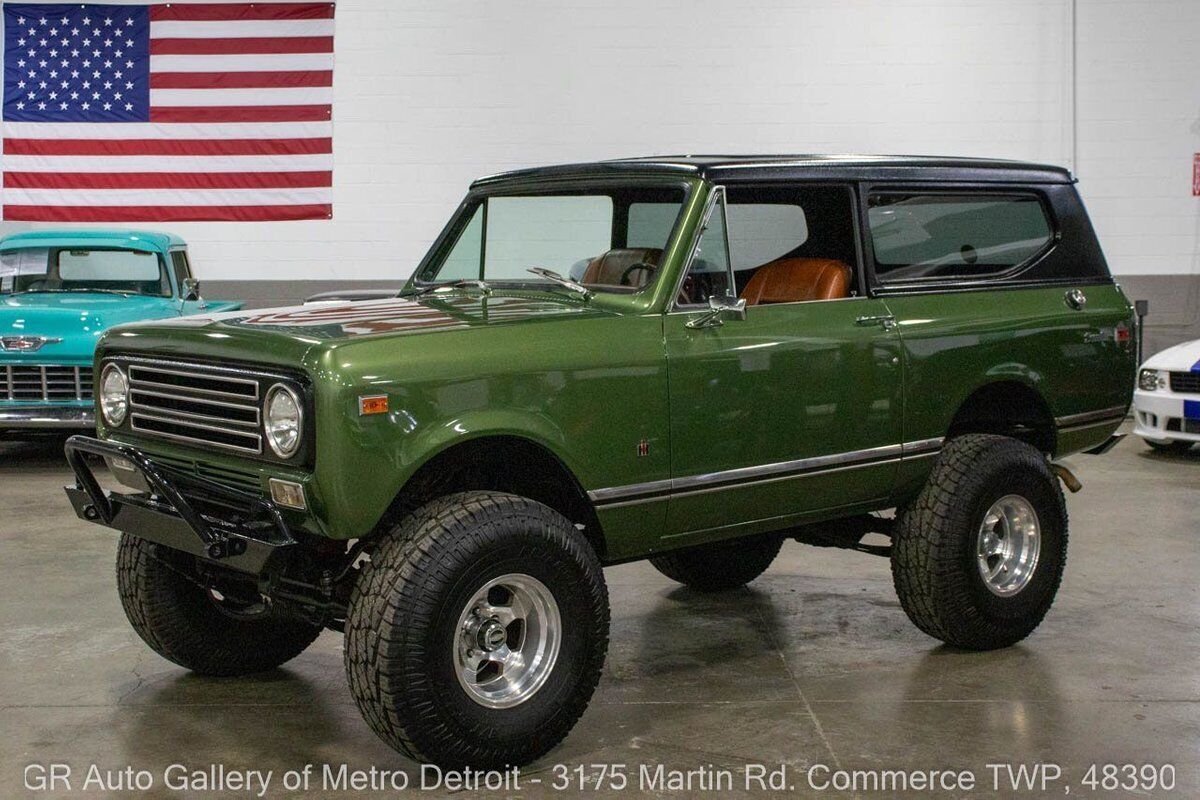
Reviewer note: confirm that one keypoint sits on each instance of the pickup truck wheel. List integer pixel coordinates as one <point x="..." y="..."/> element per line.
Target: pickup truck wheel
<point x="204" y="630"/>
<point x="477" y="632"/>
<point x="978" y="556"/>
<point x="721" y="566"/>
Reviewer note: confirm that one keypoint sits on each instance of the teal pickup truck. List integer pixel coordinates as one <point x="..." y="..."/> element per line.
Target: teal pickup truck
<point x="59" y="290"/>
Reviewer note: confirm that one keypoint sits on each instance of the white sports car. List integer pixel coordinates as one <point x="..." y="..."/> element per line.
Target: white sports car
<point x="1167" y="399"/>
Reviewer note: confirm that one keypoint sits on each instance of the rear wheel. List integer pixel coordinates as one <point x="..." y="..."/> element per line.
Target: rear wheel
<point x="1169" y="445"/>
<point x="978" y="557"/>
<point x="223" y="630"/>
<point x="477" y="632"/>
<point x="721" y="566"/>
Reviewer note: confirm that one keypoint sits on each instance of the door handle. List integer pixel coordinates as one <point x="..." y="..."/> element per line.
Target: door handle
<point x="885" y="321"/>
<point x="1075" y="299"/>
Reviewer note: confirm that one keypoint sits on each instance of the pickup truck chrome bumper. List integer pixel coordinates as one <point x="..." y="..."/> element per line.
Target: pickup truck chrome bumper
<point x="236" y="529"/>
<point x="57" y="417"/>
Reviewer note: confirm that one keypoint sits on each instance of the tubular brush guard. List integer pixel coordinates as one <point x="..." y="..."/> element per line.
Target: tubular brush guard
<point x="165" y="515"/>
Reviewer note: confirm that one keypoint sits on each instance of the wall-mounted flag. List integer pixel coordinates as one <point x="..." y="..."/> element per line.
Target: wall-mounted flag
<point x="167" y="112"/>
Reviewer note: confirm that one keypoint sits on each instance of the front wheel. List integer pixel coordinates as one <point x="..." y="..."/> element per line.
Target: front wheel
<point x="477" y="633"/>
<point x="978" y="556"/>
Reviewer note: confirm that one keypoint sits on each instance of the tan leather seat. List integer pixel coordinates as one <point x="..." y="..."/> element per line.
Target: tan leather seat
<point x="608" y="268"/>
<point x="793" y="280"/>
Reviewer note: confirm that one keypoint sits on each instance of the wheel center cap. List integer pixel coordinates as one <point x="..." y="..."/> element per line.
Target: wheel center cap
<point x="491" y="635"/>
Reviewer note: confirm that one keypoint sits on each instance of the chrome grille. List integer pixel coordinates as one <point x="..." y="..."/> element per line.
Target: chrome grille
<point x="44" y="383"/>
<point x="213" y="408"/>
<point x="1185" y="382"/>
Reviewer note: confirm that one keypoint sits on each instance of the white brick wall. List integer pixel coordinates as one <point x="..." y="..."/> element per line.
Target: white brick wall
<point x="431" y="93"/>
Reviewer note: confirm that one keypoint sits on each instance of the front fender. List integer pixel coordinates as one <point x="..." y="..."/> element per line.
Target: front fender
<point x="357" y="481"/>
<point x="588" y="398"/>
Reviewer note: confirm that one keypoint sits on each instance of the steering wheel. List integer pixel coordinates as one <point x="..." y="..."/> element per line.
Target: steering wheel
<point x="637" y="265"/>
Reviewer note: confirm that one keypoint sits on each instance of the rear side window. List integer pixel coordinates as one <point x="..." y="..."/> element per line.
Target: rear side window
<point x="935" y="236"/>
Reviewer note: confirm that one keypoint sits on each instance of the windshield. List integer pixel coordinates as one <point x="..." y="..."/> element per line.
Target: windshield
<point x="52" y="269"/>
<point x="607" y="238"/>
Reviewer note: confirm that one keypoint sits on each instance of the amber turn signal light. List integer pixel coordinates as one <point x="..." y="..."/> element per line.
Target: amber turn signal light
<point x="374" y="404"/>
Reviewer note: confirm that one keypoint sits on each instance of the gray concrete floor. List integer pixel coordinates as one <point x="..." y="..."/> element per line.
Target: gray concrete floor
<point x="815" y="663"/>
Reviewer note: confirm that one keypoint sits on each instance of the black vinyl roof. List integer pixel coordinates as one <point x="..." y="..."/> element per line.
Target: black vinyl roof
<point x="802" y="167"/>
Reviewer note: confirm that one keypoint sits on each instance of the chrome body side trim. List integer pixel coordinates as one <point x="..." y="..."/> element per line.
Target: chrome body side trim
<point x="762" y="473"/>
<point x="1089" y="417"/>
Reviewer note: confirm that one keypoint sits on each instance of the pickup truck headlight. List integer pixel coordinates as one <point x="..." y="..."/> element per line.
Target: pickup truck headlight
<point x="282" y="420"/>
<point x="1151" y="380"/>
<point x="114" y="395"/>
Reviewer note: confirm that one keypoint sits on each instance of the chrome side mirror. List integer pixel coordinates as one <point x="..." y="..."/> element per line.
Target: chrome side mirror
<point x="720" y="308"/>
<point x="191" y="289"/>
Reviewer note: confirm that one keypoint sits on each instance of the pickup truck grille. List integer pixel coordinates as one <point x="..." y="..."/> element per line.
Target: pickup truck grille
<point x="44" y="383"/>
<point x="1185" y="382"/>
<point x="209" y="407"/>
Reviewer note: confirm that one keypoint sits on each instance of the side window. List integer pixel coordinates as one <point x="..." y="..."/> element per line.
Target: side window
<point x="793" y="243"/>
<point x="24" y="269"/>
<point x="762" y="232"/>
<point x="709" y="274"/>
<point x="936" y="235"/>
<point x="181" y="267"/>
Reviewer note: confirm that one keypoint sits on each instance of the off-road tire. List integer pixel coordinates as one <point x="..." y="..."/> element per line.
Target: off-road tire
<point x="1169" y="446"/>
<point x="404" y="611"/>
<point x="934" y="565"/>
<point x="721" y="566"/>
<point x="181" y="623"/>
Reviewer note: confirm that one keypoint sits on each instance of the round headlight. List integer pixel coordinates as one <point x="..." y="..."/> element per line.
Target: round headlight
<point x="1149" y="380"/>
<point x="282" y="416"/>
<point x="114" y="395"/>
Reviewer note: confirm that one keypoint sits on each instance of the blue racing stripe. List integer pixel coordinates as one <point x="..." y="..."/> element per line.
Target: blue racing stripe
<point x="1191" y="409"/>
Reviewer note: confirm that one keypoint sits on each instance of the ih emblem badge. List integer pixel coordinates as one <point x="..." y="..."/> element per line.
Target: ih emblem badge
<point x="643" y="448"/>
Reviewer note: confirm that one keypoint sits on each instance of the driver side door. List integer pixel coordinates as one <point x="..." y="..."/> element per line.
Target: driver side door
<point x="791" y="411"/>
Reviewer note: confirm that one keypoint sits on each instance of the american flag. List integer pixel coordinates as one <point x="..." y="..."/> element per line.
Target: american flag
<point x="167" y="112"/>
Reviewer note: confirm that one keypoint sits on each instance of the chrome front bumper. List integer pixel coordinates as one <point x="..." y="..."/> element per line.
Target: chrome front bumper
<point x="47" y="417"/>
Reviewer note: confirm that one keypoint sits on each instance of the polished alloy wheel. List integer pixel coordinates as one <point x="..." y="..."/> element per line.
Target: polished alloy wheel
<point x="507" y="641"/>
<point x="1008" y="544"/>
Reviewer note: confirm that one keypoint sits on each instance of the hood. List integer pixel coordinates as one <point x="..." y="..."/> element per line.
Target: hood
<point x="287" y="336"/>
<point x="1183" y="357"/>
<point x="392" y="316"/>
<point x="76" y="319"/>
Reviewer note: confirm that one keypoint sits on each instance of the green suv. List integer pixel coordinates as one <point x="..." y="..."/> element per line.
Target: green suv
<point x="687" y="360"/>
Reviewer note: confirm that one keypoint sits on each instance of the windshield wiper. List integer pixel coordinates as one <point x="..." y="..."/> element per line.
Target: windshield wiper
<point x="553" y="276"/>
<point x="483" y="286"/>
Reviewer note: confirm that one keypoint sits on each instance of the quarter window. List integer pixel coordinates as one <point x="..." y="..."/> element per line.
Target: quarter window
<point x="709" y="274"/>
<point x="918" y="237"/>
